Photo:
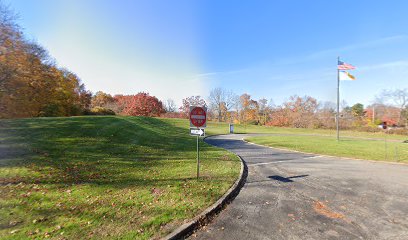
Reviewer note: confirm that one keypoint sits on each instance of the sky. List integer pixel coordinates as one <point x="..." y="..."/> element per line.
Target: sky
<point x="268" y="49"/>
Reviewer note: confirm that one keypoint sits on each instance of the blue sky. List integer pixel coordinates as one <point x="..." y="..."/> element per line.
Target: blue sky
<point x="272" y="49"/>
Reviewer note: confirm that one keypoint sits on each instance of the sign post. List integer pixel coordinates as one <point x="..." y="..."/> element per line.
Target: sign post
<point x="198" y="157"/>
<point x="198" y="122"/>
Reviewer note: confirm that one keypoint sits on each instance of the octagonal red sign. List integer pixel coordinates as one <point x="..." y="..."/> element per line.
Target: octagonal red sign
<point x="198" y="116"/>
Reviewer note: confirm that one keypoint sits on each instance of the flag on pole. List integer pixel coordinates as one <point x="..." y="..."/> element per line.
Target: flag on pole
<point x="344" y="76"/>
<point x="344" y="66"/>
<point x="341" y="75"/>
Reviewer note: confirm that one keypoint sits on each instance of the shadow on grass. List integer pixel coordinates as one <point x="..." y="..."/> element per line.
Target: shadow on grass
<point x="96" y="150"/>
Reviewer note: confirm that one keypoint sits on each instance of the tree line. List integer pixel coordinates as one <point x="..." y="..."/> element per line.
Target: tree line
<point x="32" y="85"/>
<point x="390" y="107"/>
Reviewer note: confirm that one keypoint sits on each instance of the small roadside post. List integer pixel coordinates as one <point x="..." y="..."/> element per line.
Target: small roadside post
<point x="198" y="123"/>
<point x="231" y="128"/>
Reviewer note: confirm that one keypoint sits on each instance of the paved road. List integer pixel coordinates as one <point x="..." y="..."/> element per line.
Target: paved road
<point x="301" y="196"/>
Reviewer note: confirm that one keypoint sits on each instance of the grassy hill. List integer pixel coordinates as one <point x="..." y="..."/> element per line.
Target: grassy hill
<point x="105" y="177"/>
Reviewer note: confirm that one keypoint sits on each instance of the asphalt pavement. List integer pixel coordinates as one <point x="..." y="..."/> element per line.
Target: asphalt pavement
<point x="291" y="195"/>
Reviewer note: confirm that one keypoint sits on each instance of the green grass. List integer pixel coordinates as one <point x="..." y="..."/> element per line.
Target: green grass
<point x="129" y="177"/>
<point x="241" y="128"/>
<point x="222" y="128"/>
<point x="353" y="148"/>
<point x="213" y="128"/>
<point x="105" y="177"/>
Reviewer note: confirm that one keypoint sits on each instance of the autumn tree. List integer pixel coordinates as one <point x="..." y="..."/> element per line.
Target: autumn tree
<point x="301" y="111"/>
<point x="101" y="99"/>
<point x="248" y="109"/>
<point x="357" y="110"/>
<point x="243" y="106"/>
<point x="191" y="101"/>
<point x="31" y="85"/>
<point x="141" y="104"/>
<point x="85" y="97"/>
<point x="381" y="112"/>
<point x="13" y="87"/>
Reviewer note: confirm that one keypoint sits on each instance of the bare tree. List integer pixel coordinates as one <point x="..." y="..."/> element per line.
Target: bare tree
<point x="263" y="109"/>
<point x="222" y="101"/>
<point x="326" y="114"/>
<point x="344" y="105"/>
<point x="271" y="104"/>
<point x="170" y="106"/>
<point x="398" y="98"/>
<point x="191" y="101"/>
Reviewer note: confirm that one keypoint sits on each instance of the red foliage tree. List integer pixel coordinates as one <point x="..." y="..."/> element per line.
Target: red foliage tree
<point x="299" y="112"/>
<point x="279" y="118"/>
<point x="141" y="104"/>
<point x="191" y="101"/>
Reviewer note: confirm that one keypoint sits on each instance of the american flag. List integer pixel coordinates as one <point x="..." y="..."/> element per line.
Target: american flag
<point x="345" y="66"/>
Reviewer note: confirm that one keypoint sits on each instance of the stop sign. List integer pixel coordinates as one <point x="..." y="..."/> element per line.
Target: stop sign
<point x="198" y="116"/>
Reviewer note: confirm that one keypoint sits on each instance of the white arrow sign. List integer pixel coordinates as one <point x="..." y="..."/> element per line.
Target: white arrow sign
<point x="197" y="132"/>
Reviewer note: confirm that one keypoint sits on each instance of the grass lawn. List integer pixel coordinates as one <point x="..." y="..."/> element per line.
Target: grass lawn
<point x="241" y="128"/>
<point x="222" y="128"/>
<point x="105" y="177"/>
<point x="354" y="148"/>
<point x="213" y="128"/>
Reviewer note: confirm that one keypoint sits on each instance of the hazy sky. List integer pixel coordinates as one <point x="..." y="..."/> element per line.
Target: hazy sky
<point x="178" y="48"/>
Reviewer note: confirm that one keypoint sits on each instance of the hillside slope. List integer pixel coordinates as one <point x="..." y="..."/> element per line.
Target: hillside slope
<point x="109" y="177"/>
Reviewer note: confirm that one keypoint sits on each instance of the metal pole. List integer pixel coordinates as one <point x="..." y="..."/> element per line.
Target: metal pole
<point x="198" y="157"/>
<point x="338" y="100"/>
<point x="386" y="148"/>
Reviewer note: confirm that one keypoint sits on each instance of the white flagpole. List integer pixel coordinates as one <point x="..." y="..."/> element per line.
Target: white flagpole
<point x="338" y="100"/>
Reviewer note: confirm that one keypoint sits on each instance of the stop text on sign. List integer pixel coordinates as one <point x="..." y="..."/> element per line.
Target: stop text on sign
<point x="198" y="117"/>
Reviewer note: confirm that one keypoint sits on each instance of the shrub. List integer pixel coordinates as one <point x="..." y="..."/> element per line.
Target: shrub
<point x="100" y="111"/>
<point x="399" y="131"/>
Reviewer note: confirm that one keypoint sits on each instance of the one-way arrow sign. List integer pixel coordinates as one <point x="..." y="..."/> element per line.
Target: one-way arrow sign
<point x="197" y="132"/>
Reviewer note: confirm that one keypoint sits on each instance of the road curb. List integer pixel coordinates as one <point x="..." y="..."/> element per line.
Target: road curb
<point x="328" y="156"/>
<point x="208" y="214"/>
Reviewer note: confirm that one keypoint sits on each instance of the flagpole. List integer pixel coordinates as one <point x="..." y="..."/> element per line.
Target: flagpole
<point x="338" y="100"/>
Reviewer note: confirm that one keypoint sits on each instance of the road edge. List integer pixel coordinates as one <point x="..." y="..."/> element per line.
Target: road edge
<point x="208" y="214"/>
